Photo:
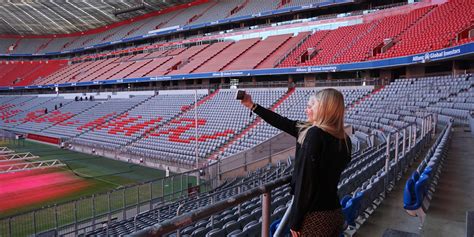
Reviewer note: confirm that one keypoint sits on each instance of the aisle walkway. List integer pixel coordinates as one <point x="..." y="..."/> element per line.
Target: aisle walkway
<point x="455" y="192"/>
<point x="453" y="197"/>
<point x="390" y="213"/>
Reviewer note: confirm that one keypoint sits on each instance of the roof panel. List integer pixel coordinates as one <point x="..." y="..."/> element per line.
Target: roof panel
<point x="41" y="17"/>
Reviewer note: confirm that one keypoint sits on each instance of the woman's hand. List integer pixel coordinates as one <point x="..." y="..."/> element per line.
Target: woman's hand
<point x="247" y="101"/>
<point x="295" y="233"/>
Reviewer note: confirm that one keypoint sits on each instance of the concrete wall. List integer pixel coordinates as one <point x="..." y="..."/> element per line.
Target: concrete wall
<point x="415" y="71"/>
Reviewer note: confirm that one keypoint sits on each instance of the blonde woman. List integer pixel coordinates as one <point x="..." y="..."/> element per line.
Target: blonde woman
<point x="323" y="151"/>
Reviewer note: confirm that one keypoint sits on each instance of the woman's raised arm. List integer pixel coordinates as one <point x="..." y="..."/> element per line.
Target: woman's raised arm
<point x="272" y="118"/>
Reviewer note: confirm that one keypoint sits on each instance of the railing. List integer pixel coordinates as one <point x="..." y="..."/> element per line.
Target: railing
<point x="8" y="137"/>
<point x="5" y="150"/>
<point x="169" y="207"/>
<point x="191" y="217"/>
<point x="266" y="84"/>
<point x="265" y="151"/>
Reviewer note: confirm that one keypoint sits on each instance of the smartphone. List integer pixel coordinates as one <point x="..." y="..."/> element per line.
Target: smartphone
<point x="240" y="95"/>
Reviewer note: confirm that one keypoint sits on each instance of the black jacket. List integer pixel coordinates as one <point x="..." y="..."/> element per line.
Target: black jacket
<point x="319" y="162"/>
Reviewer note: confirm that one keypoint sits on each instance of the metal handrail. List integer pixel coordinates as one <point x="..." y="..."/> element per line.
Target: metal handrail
<point x="184" y="220"/>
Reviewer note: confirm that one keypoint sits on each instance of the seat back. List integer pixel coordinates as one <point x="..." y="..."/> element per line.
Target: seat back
<point x="344" y="200"/>
<point x="420" y="190"/>
<point x="231" y="226"/>
<point x="352" y="208"/>
<point x="215" y="233"/>
<point x="409" y="197"/>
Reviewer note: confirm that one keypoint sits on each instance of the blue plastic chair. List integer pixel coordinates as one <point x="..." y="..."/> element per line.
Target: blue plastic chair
<point x="420" y="191"/>
<point x="415" y="176"/>
<point x="274" y="227"/>
<point x="409" y="196"/>
<point x="352" y="208"/>
<point x="428" y="170"/>
<point x="344" y="200"/>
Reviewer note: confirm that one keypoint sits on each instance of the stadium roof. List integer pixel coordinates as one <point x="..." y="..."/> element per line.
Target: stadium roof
<point x="42" y="17"/>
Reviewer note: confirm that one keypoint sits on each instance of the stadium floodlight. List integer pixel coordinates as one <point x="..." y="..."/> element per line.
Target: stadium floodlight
<point x="133" y="8"/>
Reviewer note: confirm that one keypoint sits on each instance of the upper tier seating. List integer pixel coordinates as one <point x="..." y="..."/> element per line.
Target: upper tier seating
<point x="411" y="31"/>
<point x="437" y="30"/>
<point x="203" y="13"/>
<point x="220" y="10"/>
<point x="199" y="59"/>
<point x="227" y="56"/>
<point x="259" y="52"/>
<point x="386" y="28"/>
<point x="24" y="73"/>
<point x="273" y="60"/>
<point x="252" y="7"/>
<point x="449" y="18"/>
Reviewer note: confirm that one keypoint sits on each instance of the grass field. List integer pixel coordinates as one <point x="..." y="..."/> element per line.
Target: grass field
<point x="105" y="174"/>
<point x="100" y="174"/>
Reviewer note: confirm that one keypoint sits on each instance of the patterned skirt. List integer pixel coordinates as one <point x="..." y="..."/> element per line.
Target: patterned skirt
<point x="323" y="223"/>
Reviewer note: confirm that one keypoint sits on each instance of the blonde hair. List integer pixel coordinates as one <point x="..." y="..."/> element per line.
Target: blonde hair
<point x="328" y="114"/>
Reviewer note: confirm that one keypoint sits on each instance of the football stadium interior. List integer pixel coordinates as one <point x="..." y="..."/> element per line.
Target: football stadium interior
<point x="120" y="118"/>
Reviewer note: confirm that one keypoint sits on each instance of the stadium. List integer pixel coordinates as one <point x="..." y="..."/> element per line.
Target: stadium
<point x="120" y="118"/>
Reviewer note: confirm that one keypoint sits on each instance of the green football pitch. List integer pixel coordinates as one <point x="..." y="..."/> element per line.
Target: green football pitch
<point x="101" y="174"/>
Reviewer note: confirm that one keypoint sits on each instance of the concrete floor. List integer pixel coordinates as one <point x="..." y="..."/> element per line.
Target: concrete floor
<point x="390" y="214"/>
<point x="455" y="191"/>
<point x="454" y="196"/>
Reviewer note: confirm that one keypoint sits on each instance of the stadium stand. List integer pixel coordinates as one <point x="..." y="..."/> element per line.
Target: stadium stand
<point x="371" y="167"/>
<point x="227" y="56"/>
<point x="219" y="10"/>
<point x="230" y="220"/>
<point x="438" y="29"/>
<point x="140" y="120"/>
<point x="420" y="187"/>
<point x="259" y="52"/>
<point x="180" y="132"/>
<point x="97" y="114"/>
<point x="280" y="53"/>
<point x="22" y="108"/>
<point x="155" y="126"/>
<point x="373" y="39"/>
<point x="199" y="59"/>
<point x="369" y="112"/>
<point x="436" y="94"/>
<point x="408" y="113"/>
<point x="24" y="73"/>
<point x="387" y="28"/>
